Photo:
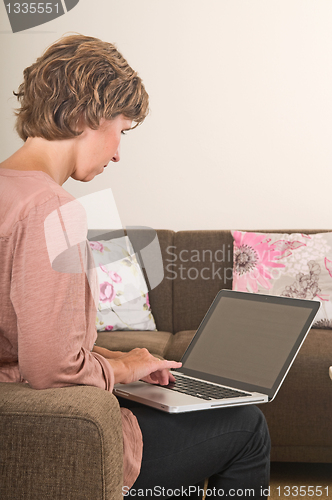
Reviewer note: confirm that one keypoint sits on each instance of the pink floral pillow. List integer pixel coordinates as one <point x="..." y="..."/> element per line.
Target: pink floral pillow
<point x="290" y="265"/>
<point x="123" y="298"/>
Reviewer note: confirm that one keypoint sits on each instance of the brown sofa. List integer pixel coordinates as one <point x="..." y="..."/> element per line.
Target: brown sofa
<point x="66" y="443"/>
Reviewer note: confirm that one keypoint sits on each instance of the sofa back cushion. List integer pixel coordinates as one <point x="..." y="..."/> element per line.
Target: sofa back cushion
<point x="161" y="297"/>
<point x="201" y="264"/>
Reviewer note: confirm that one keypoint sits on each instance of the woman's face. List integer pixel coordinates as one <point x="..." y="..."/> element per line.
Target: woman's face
<point x="96" y="148"/>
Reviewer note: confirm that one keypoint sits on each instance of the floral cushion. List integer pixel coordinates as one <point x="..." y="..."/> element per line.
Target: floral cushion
<point x="124" y="299"/>
<point x="291" y="265"/>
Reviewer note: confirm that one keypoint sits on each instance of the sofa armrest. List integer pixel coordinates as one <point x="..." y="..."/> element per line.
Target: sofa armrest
<point x="60" y="443"/>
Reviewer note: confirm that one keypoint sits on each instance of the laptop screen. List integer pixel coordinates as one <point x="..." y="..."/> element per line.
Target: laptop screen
<point x="248" y="340"/>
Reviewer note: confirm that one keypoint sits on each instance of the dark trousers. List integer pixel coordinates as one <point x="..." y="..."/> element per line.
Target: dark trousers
<point x="230" y="446"/>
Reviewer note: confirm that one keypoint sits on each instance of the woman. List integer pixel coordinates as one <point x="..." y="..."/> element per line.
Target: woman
<point x="76" y="101"/>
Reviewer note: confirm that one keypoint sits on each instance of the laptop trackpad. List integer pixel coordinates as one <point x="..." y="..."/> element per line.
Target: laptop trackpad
<point x="152" y="392"/>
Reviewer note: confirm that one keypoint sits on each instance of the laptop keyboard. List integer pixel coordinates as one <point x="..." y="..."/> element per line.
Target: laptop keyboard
<point x="202" y="390"/>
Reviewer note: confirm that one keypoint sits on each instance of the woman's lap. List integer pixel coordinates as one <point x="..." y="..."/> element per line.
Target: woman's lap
<point x="230" y="446"/>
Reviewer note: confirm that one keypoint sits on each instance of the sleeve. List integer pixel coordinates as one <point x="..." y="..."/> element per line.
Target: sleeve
<point x="132" y="447"/>
<point x="54" y="306"/>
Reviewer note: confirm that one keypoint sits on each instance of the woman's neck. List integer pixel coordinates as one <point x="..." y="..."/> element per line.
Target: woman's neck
<point x="55" y="158"/>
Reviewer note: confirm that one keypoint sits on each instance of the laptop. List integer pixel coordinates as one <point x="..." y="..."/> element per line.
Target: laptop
<point x="240" y="354"/>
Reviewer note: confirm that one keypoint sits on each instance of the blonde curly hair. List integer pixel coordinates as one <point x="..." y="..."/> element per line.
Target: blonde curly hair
<point x="78" y="78"/>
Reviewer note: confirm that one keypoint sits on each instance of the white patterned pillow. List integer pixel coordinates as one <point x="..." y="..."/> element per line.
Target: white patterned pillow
<point x="124" y="299"/>
<point x="290" y="265"/>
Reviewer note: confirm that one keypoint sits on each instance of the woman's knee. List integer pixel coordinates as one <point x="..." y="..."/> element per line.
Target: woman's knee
<point x="259" y="427"/>
<point x="251" y="420"/>
<point x="261" y="422"/>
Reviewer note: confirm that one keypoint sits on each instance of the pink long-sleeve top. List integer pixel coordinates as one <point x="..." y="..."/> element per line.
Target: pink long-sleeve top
<point x="47" y="317"/>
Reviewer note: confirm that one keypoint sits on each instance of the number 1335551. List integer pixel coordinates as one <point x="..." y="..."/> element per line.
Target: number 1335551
<point x="32" y="8"/>
<point x="302" y="491"/>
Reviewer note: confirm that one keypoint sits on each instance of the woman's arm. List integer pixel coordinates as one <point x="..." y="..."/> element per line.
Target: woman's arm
<point x="54" y="307"/>
<point x="107" y="353"/>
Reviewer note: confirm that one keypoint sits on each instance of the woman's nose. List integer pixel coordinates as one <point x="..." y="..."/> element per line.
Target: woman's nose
<point x="116" y="156"/>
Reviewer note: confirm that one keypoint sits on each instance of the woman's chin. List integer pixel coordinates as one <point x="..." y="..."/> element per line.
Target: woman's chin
<point x="86" y="178"/>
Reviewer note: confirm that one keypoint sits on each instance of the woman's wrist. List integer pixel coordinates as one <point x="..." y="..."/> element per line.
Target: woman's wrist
<point x="118" y="368"/>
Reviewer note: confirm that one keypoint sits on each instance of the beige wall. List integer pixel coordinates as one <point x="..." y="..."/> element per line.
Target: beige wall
<point x="240" y="130"/>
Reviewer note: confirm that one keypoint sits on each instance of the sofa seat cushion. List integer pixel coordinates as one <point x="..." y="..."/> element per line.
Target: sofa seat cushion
<point x="178" y="344"/>
<point x="155" y="342"/>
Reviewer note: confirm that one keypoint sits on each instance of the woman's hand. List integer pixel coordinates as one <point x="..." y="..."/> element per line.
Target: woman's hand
<point x="139" y="364"/>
